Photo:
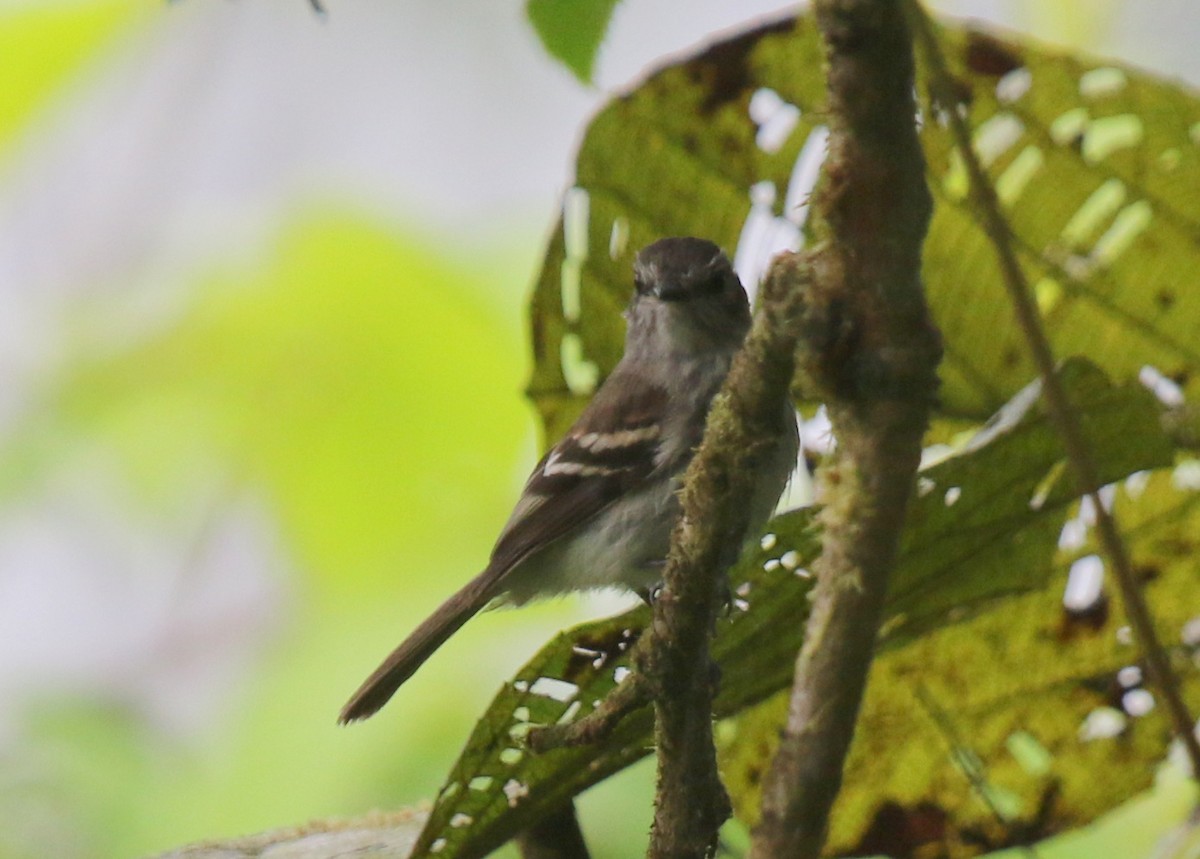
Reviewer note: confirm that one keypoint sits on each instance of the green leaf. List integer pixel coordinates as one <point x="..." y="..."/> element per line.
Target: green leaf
<point x="1010" y="472"/>
<point x="1093" y="162"/>
<point x="1019" y="723"/>
<point x="572" y="30"/>
<point x="496" y="787"/>
<point x="1097" y="165"/>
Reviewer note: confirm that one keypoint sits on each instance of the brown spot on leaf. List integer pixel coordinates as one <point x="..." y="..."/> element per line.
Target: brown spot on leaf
<point x="1114" y="691"/>
<point x="1165" y="299"/>
<point x="1086" y="621"/>
<point x="592" y="653"/>
<point x="1147" y="572"/>
<point x="962" y="94"/>
<point x="1178" y="545"/>
<point x="1100" y="686"/>
<point x="1044" y="821"/>
<point x="579" y="665"/>
<point x="723" y="70"/>
<point x="987" y="55"/>
<point x="899" y="831"/>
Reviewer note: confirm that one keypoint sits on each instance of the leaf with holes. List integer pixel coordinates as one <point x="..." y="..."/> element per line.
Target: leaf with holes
<point x="1096" y="164"/>
<point x="994" y="535"/>
<point x="1030" y="719"/>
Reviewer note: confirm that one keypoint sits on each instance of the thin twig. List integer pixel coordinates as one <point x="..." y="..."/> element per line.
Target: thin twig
<point x="871" y="352"/>
<point x="1063" y="417"/>
<point x="969" y="762"/>
<point x="633" y="693"/>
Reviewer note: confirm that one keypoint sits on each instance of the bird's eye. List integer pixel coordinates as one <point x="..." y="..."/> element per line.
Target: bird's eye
<point x="714" y="284"/>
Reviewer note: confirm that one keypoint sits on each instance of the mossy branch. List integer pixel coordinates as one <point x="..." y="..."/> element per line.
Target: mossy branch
<point x="744" y="426"/>
<point x="871" y="353"/>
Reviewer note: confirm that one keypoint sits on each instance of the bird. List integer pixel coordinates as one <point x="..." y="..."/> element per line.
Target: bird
<point x="598" y="509"/>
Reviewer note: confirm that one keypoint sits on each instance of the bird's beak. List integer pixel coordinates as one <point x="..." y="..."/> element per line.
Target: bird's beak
<point x="669" y="291"/>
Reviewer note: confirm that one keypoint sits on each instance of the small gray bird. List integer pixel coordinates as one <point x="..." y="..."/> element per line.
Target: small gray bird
<point x="599" y="508"/>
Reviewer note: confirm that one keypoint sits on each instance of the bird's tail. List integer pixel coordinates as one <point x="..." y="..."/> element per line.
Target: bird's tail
<point x="404" y="661"/>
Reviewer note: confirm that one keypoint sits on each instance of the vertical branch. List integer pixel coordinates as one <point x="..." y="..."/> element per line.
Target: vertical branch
<point x="871" y="351"/>
<point x="744" y="425"/>
<point x="987" y="207"/>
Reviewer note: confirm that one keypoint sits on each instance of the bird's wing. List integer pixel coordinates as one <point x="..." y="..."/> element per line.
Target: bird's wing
<point x="607" y="453"/>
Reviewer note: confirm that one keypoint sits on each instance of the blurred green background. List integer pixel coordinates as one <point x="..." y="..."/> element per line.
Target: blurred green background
<point x="263" y="347"/>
